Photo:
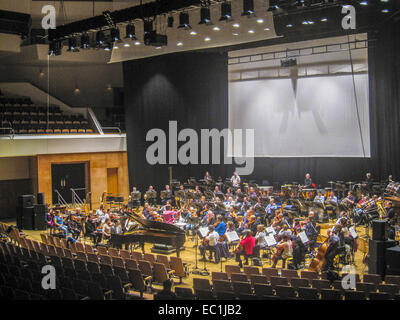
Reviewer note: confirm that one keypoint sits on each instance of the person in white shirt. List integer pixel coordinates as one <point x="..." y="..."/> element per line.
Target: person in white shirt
<point x="261" y="243"/>
<point x="235" y="180"/>
<point x="209" y="243"/>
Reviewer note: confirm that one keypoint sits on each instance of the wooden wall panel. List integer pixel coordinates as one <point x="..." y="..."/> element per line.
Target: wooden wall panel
<point x="98" y="164"/>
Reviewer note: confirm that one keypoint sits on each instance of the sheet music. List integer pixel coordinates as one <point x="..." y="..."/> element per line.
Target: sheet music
<point x="232" y="236"/>
<point x="353" y="233"/>
<point x="270" y="230"/>
<point x="303" y="237"/>
<point x="270" y="240"/>
<point x="203" y="231"/>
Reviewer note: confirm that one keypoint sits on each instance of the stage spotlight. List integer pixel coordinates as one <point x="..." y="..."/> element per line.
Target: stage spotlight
<point x="248" y="8"/>
<point x="170" y="22"/>
<point x="85" y="41"/>
<point x="100" y="38"/>
<point x="55" y="48"/>
<point x="226" y="12"/>
<point x="115" y="36"/>
<point x="130" y="31"/>
<point x="72" y="45"/>
<point x="205" y="16"/>
<point x="184" y="21"/>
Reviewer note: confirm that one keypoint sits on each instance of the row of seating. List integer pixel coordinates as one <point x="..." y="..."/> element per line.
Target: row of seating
<point x="53" y="129"/>
<point x="12" y="101"/>
<point x="42" y="117"/>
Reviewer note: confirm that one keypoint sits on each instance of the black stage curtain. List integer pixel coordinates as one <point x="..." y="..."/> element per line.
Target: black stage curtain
<point x="192" y="88"/>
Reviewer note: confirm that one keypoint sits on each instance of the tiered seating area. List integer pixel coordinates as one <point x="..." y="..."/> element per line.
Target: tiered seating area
<point x="24" y="117"/>
<point x="82" y="271"/>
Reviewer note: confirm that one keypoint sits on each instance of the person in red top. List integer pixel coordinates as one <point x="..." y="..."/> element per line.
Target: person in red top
<point x="245" y="247"/>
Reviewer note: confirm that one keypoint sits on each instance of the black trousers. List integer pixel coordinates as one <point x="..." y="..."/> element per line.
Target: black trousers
<point x="240" y="254"/>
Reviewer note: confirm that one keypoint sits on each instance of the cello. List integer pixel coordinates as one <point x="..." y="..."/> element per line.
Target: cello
<point x="319" y="260"/>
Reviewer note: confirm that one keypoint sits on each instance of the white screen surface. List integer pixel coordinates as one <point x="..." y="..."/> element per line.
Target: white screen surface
<point x="303" y="117"/>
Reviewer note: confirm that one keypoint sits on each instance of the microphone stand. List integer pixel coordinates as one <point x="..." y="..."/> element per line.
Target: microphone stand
<point x="196" y="270"/>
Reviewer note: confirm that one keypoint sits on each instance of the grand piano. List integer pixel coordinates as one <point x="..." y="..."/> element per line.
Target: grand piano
<point x="152" y="232"/>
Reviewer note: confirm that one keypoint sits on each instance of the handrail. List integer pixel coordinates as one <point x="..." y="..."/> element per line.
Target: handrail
<point x="75" y="198"/>
<point x="11" y="135"/>
<point x="60" y="199"/>
<point x="112" y="128"/>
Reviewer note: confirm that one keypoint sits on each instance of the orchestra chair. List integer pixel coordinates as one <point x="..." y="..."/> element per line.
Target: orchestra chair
<point x="36" y="245"/>
<point x="184" y="293"/>
<point x="329" y="294"/>
<point x="379" y="296"/>
<point x="391" y="289"/>
<point x="67" y="263"/>
<point x="320" y="284"/>
<point x="131" y="264"/>
<point x="242" y="289"/>
<point x="89" y="248"/>
<point x="290" y="274"/>
<point x="59" y="251"/>
<point x="122" y="274"/>
<point x="57" y="242"/>
<point x="160" y="273"/>
<point x="117" y="262"/>
<point x="82" y="256"/>
<point x="164" y="260"/>
<point x="390" y="279"/>
<point x="308" y="293"/>
<point x="72" y="246"/>
<point x="101" y="250"/>
<point x="29" y="244"/>
<point x="285" y="292"/>
<point x="201" y="284"/>
<point x="310" y="275"/>
<point x="83" y="275"/>
<point x="229" y="269"/>
<point x="145" y="268"/>
<point x="80" y="265"/>
<point x="79" y="247"/>
<point x="125" y="254"/>
<point x="52" y="251"/>
<point x="180" y="268"/>
<point x="354" y="295"/>
<point x="238" y="277"/>
<point x="279" y="281"/>
<point x="43" y="237"/>
<point x="67" y="253"/>
<point x="372" y="278"/>
<point x="219" y="276"/>
<point x="137" y="255"/>
<point x="150" y="258"/>
<point x="263" y="290"/>
<point x="100" y="279"/>
<point x="250" y="270"/>
<point x="113" y="252"/>
<point x="138" y="282"/>
<point x="270" y="272"/>
<point x="298" y="282"/>
<point x="106" y="269"/>
<point x="92" y="257"/>
<point x="96" y="292"/>
<point x="258" y="279"/>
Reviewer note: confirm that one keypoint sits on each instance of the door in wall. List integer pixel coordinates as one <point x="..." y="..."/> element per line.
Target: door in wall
<point x="65" y="176"/>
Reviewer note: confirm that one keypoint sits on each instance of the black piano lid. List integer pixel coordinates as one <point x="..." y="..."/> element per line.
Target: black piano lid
<point x="156" y="225"/>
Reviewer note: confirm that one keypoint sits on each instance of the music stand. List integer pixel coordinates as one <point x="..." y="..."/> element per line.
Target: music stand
<point x="196" y="223"/>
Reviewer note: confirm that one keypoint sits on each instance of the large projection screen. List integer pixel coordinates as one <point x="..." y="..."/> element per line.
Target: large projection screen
<point x="304" y="116"/>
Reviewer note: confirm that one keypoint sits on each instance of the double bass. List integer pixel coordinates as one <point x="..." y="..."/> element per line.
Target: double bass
<point x="319" y="260"/>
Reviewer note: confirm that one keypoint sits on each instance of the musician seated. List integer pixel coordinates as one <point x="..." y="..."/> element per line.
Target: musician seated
<point x="91" y="230"/>
<point x="261" y="243"/>
<point x="168" y="192"/>
<point x="332" y="204"/>
<point x="208" y="219"/>
<point x="270" y="209"/>
<point x="252" y="192"/>
<point x="235" y="179"/>
<point x="169" y="215"/>
<point x="129" y="225"/>
<point x="209" y="243"/>
<point x="59" y="223"/>
<point x="239" y="196"/>
<point x="390" y="212"/>
<point x="135" y="192"/>
<point x="246" y="247"/>
<point x="333" y="248"/>
<point x="308" y="182"/>
<point x="107" y="230"/>
<point x="147" y="212"/>
<point x="312" y="231"/>
<point x="49" y="218"/>
<point x="73" y="226"/>
<point x="298" y="254"/>
<point x="217" y="191"/>
<point x="350" y="199"/>
<point x="152" y="200"/>
<point x="220" y="226"/>
<point x="319" y="198"/>
<point x="284" y="251"/>
<point x="229" y="194"/>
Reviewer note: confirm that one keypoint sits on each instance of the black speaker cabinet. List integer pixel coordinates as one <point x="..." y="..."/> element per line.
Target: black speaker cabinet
<point x="393" y="261"/>
<point x="26" y="200"/>
<point x="379" y="230"/>
<point x="40" y="198"/>
<point x="39" y="213"/>
<point x="377" y="259"/>
<point x="15" y="22"/>
<point x="25" y="218"/>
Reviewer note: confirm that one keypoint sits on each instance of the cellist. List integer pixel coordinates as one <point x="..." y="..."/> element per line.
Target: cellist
<point x="331" y="252"/>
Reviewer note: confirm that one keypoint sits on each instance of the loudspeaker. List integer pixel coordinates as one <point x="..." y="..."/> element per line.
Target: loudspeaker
<point x="15" y="23"/>
<point x="25" y="218"/>
<point x="25" y="200"/>
<point x="40" y="198"/>
<point x="379" y="230"/>
<point x="393" y="261"/>
<point x="377" y="259"/>
<point x="39" y="212"/>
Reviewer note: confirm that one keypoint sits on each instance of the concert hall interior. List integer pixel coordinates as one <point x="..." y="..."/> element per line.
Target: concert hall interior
<point x="200" y="150"/>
